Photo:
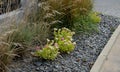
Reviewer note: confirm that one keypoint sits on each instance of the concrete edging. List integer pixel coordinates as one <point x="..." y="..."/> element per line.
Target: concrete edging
<point x="103" y="56"/>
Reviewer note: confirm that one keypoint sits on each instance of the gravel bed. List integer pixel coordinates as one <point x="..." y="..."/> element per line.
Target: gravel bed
<point x="80" y="60"/>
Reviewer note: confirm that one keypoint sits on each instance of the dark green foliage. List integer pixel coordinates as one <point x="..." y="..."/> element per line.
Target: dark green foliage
<point x="87" y="24"/>
<point x="70" y="10"/>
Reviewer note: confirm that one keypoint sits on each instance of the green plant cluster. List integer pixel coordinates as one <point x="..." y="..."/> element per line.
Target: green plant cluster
<point x="62" y="42"/>
<point x="76" y="15"/>
<point x="19" y="40"/>
<point x="87" y="23"/>
<point x="64" y="39"/>
<point x="49" y="51"/>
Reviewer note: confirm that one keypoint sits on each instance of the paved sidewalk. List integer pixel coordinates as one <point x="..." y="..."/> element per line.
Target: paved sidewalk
<point x="109" y="59"/>
<point x="109" y="7"/>
<point x="112" y="62"/>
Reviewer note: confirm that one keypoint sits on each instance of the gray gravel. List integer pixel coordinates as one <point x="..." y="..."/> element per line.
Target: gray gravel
<point x="80" y="60"/>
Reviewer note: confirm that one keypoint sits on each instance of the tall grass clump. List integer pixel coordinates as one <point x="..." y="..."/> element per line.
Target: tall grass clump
<point x="42" y="21"/>
<point x="87" y="23"/>
<point x="18" y="41"/>
<point x="72" y="14"/>
<point x="6" y="53"/>
<point x="26" y="35"/>
<point x="71" y="9"/>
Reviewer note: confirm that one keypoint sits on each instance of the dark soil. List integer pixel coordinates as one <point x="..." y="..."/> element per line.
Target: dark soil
<point x="80" y="60"/>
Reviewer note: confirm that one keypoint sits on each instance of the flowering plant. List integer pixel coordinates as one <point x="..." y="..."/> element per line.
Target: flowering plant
<point x="64" y="39"/>
<point x="49" y="51"/>
<point x="63" y="42"/>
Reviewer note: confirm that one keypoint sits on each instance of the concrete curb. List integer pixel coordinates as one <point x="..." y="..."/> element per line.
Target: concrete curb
<point x="103" y="56"/>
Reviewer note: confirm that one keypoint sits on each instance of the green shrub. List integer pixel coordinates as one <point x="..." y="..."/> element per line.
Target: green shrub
<point x="76" y="15"/>
<point x="64" y="39"/>
<point x="87" y="23"/>
<point x="94" y="17"/>
<point x="49" y="51"/>
<point x="70" y="10"/>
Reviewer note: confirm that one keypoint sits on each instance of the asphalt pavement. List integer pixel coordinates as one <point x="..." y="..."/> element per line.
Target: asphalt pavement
<point x="108" y="7"/>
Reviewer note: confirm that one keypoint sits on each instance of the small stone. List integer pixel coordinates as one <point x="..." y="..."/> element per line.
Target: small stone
<point x="78" y="59"/>
<point x="55" y="70"/>
<point x="37" y="64"/>
<point x="37" y="69"/>
<point x="84" y="59"/>
<point x="56" y="66"/>
<point x="42" y="68"/>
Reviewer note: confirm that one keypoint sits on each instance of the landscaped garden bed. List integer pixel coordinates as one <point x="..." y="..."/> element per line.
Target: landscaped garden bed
<point x="59" y="37"/>
<point x="81" y="59"/>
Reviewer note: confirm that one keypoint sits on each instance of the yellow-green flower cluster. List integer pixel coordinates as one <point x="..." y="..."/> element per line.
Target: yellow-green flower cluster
<point x="64" y="39"/>
<point x="63" y="42"/>
<point x="49" y="51"/>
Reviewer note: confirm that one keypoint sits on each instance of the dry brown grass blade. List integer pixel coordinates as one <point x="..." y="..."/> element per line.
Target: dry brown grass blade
<point x="6" y="55"/>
